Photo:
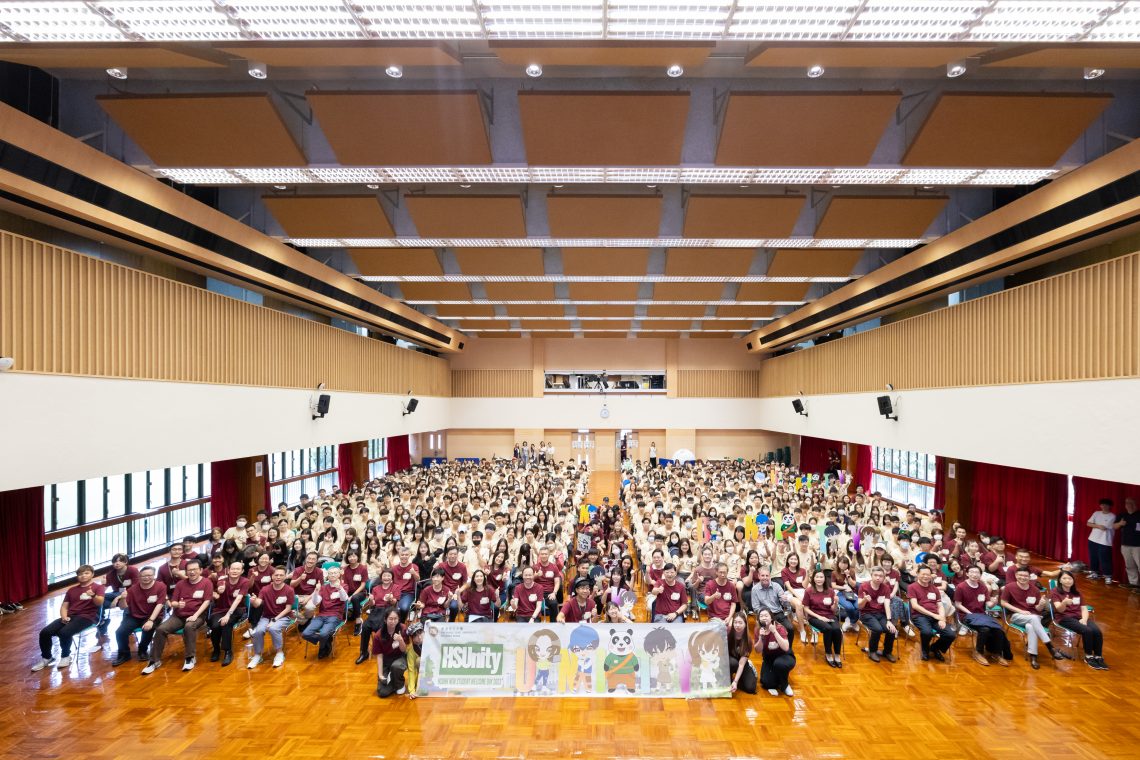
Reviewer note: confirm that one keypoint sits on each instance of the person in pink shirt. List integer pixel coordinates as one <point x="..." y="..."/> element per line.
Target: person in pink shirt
<point x="188" y="604"/>
<point x="79" y="611"/>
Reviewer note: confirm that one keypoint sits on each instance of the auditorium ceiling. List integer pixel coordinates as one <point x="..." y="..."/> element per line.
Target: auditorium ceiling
<point x="596" y="194"/>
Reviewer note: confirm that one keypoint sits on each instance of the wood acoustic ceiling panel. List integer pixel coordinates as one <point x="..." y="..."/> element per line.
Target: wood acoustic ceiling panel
<point x="500" y="335"/>
<point x="474" y="216"/>
<point x="233" y="129"/>
<point x="667" y="324"/>
<point x="378" y="262"/>
<point x="598" y="310"/>
<point x="696" y="262"/>
<point x="603" y="129"/>
<point x="610" y="324"/>
<point x="595" y="54"/>
<point x="687" y="291"/>
<point x="464" y="310"/>
<point x="886" y="217"/>
<point x="403" y="128"/>
<point x="771" y="291"/>
<point x="520" y="291"/>
<point x="535" y="310"/>
<point x="324" y="216"/>
<point x="605" y="261"/>
<point x="133" y="55"/>
<point x="483" y="324"/>
<point x="356" y="55"/>
<point x="1003" y="129"/>
<point x="1074" y="57"/>
<point x="818" y="262"/>
<point x="863" y="56"/>
<point x="546" y="324"/>
<point x="748" y="312"/>
<point x="435" y="291"/>
<point x="741" y="216"/>
<point x="675" y="311"/>
<point x="604" y="216"/>
<point x="603" y="291"/>
<point x="642" y="335"/>
<point x="500" y="261"/>
<point x="801" y="129"/>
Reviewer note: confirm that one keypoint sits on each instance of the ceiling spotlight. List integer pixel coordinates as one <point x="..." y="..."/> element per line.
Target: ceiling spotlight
<point x="279" y="187"/>
<point x="120" y="72"/>
<point x="465" y="185"/>
<point x="955" y="70"/>
<point x="373" y="187"/>
<point x="258" y="70"/>
<point x="1089" y="73"/>
<point x="815" y="72"/>
<point x="675" y="71"/>
<point x="534" y="71"/>
<point x="394" y="71"/>
<point x="651" y="186"/>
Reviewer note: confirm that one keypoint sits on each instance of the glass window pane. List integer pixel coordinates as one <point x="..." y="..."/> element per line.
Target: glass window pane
<point x="192" y="487"/>
<point x="117" y="498"/>
<point x="896" y="461"/>
<point x="48" y="499"/>
<point x="93" y="500"/>
<point x="932" y="468"/>
<point x="177" y="485"/>
<point x="916" y="495"/>
<point x="157" y="489"/>
<point x="206" y="480"/>
<point x="920" y="469"/>
<point x="898" y="489"/>
<point x="62" y="557"/>
<point x="138" y="491"/>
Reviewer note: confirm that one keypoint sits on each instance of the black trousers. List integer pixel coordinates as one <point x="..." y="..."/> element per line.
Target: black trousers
<point x="65" y="631"/>
<point x="222" y="636"/>
<point x="127" y="628"/>
<point x="775" y="669"/>
<point x="992" y="641"/>
<point x="747" y="682"/>
<point x="832" y="634"/>
<point x="395" y="667"/>
<point x="1091" y="636"/>
<point x="876" y="623"/>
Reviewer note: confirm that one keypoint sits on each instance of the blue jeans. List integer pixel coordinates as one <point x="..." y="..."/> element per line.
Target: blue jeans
<point x="320" y="629"/>
<point x="405" y="604"/>
<point x="848" y="609"/>
<point x="108" y="600"/>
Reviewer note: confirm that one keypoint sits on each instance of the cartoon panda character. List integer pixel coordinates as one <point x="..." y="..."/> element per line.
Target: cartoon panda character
<point x="621" y="666"/>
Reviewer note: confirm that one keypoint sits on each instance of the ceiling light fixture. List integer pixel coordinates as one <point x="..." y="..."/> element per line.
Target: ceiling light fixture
<point x="120" y="72"/>
<point x="279" y="187"/>
<point x="955" y="70"/>
<point x="372" y="187"/>
<point x="394" y="71"/>
<point x="1090" y="73"/>
<point x="534" y="71"/>
<point x="258" y="70"/>
<point x="674" y="71"/>
<point x="815" y="72"/>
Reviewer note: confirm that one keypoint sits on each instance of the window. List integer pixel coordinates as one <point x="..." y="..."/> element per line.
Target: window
<point x="377" y="458"/>
<point x="146" y="511"/>
<point x="301" y="471"/>
<point x="904" y="477"/>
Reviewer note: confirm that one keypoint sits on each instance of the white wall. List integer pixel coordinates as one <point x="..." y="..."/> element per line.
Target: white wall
<point x="58" y="428"/>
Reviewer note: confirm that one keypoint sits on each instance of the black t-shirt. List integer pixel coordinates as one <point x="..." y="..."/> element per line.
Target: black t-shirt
<point x="1130" y="531"/>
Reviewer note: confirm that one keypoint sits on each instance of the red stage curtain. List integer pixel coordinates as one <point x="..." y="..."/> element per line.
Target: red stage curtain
<point x="23" y="562"/>
<point x="1025" y="507"/>
<point x="225" y="504"/>
<point x="399" y="456"/>
<point x="346" y="470"/>
<point x="813" y="453"/>
<point x="940" y="485"/>
<point x="863" y="467"/>
<point x="1087" y="493"/>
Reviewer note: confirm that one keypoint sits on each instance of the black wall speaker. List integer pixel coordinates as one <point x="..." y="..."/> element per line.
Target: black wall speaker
<point x="886" y="408"/>
<point x="798" y="406"/>
<point x="460" y="345"/>
<point x="412" y="404"/>
<point x="323" y="404"/>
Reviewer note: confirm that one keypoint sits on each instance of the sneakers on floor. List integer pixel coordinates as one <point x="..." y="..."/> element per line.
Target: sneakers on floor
<point x="1108" y="581"/>
<point x="64" y="662"/>
<point x="254" y="662"/>
<point x="151" y="667"/>
<point x="1093" y="576"/>
<point x="278" y="659"/>
<point x="789" y="691"/>
<point x="41" y="665"/>
<point x="247" y="634"/>
<point x="189" y="664"/>
<point x="963" y="630"/>
<point x="773" y="692"/>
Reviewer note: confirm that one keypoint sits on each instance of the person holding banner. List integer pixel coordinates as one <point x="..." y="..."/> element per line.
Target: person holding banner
<point x="776" y="650"/>
<point x="580" y="608"/>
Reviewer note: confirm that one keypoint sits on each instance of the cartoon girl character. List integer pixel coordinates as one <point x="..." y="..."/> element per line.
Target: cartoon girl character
<point x="661" y="648"/>
<point x="706" y="648"/>
<point x="583" y="643"/>
<point x="542" y="649"/>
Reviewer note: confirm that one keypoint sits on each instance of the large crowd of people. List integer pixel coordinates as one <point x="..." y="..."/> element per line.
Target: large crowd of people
<point x="775" y="554"/>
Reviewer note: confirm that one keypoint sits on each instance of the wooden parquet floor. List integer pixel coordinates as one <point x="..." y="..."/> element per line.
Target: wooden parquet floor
<point x="327" y="709"/>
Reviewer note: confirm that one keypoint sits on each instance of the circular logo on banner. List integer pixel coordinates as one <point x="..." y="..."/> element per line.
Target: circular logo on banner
<point x="683" y="455"/>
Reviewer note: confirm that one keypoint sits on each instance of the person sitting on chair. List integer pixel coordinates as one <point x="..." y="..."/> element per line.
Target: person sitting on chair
<point x="929" y="617"/>
<point x="120" y="578"/>
<point x="579" y="608"/>
<point x="276" y="604"/>
<point x="1073" y="616"/>
<point x="477" y="598"/>
<point x="142" y="606"/>
<point x="330" y="601"/>
<point x="434" y="599"/>
<point x="228" y="611"/>
<point x="188" y="604"/>
<point x="79" y="611"/>
<point x="820" y="605"/>
<point x="721" y="595"/>
<point x="1025" y="602"/>
<point x="672" y="598"/>
<point x="973" y="598"/>
<point x="875" y="613"/>
<point x="526" y="598"/>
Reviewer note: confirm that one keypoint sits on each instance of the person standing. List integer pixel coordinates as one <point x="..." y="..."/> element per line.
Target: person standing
<point x="653" y="454"/>
<point x="1129" y="527"/>
<point x="1101" y="525"/>
<point x="78" y="612"/>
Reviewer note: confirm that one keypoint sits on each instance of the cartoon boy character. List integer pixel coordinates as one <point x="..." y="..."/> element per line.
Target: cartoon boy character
<point x="583" y="642"/>
<point x="706" y="648"/>
<point x="621" y="665"/>
<point x="661" y="648"/>
<point x="542" y="648"/>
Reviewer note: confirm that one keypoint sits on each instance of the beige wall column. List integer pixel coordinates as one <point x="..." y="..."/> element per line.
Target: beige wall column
<point x="605" y="451"/>
<point x="538" y="358"/>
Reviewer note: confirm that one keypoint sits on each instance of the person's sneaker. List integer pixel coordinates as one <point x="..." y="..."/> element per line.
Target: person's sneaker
<point x="150" y="668"/>
<point x="980" y="659"/>
<point x="846" y="626"/>
<point x="1092" y="576"/>
<point x="925" y="656"/>
<point x="278" y="659"/>
<point x="890" y="658"/>
<point x="1108" y="581"/>
<point x="401" y="690"/>
<point x="909" y="631"/>
<point x="1033" y="662"/>
<point x="963" y="630"/>
<point x="247" y="635"/>
<point x="254" y="662"/>
<point x="789" y="691"/>
<point x="938" y="656"/>
<point x="874" y="656"/>
<point x="64" y="662"/>
<point x="773" y="692"/>
<point x="41" y="665"/>
<point x="144" y="656"/>
<point x="1101" y="664"/>
<point x="189" y="664"/>
<point x="803" y="637"/>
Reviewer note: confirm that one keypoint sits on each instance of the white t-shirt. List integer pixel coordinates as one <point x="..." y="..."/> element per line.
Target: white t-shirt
<point x="653" y="452"/>
<point x="1103" y="534"/>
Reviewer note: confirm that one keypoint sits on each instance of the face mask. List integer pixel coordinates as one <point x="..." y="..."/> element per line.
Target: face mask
<point x="904" y="544"/>
<point x="937" y="536"/>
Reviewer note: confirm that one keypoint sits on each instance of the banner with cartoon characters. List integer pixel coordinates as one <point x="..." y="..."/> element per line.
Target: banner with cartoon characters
<point x="574" y="660"/>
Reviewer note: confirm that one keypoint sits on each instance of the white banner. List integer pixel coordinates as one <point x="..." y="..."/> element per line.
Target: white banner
<point x="574" y="660"/>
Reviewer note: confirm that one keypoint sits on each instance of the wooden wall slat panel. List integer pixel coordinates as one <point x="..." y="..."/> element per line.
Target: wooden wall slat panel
<point x="1079" y="325"/>
<point x="492" y="383"/>
<point x="65" y="313"/>
<point x="717" y="383"/>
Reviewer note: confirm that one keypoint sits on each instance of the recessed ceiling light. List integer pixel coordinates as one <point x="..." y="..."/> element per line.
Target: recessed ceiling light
<point x="394" y="71"/>
<point x="373" y="187"/>
<point x="675" y="71"/>
<point x="465" y="185"/>
<point x="534" y="70"/>
<point x="955" y="70"/>
<point x="928" y="187"/>
<point x="1090" y="73"/>
<point x="651" y="186"/>
<point x="279" y="187"/>
<point x="258" y="70"/>
<point x="815" y="72"/>
<point x="120" y="72"/>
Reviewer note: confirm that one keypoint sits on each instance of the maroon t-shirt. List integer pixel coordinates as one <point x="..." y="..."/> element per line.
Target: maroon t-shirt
<point x="877" y="601"/>
<point x="655" y="576"/>
<point x="1073" y="611"/>
<point x="130" y="577"/>
<point x="927" y="598"/>
<point x="792" y="579"/>
<point x="671" y="598"/>
<point x="822" y="603"/>
<point x="454" y="576"/>
<point x="81" y="601"/>
<point x="575" y="614"/>
<point x="260" y="577"/>
<point x="354" y="576"/>
<point x="387" y="646"/>
<point x="767" y="645"/>
<point x="380" y="592"/>
<point x="274" y="601"/>
<point x="331" y="603"/>
<point x="544" y="575"/>
<point x="721" y="598"/>
<point x="1023" y="599"/>
<point x="496" y="577"/>
<point x="141" y="601"/>
<point x="312" y="580"/>
<point x="228" y="591"/>
<point x="479" y="602"/>
<point x="527" y="600"/>
<point x="194" y="594"/>
<point x="166" y="575"/>
<point x="405" y="578"/>
<point x="1011" y="574"/>
<point x="434" y="602"/>
<point x="973" y="599"/>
